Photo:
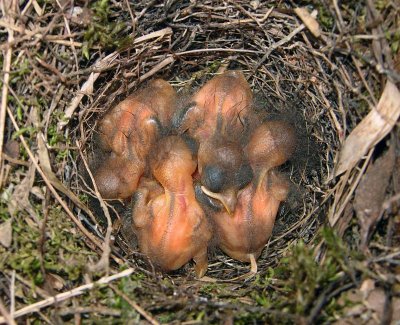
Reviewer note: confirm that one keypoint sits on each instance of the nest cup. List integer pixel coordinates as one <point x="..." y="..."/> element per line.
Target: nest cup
<point x="330" y="68"/>
<point x="287" y="83"/>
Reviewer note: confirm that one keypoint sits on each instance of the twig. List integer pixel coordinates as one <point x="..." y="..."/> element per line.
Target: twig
<point x="154" y="70"/>
<point x="157" y="34"/>
<point x="325" y="297"/>
<point x="69" y="32"/>
<point x="104" y="260"/>
<point x="51" y="69"/>
<point x="139" y="309"/>
<point x="34" y="288"/>
<point x="335" y="214"/>
<point x="6" y="69"/>
<point x="284" y="40"/>
<point x="245" y="12"/>
<point x="386" y="205"/>
<point x="12" y="294"/>
<point x="15" y="161"/>
<point x="6" y="316"/>
<point x="37" y="34"/>
<point x="91" y="309"/>
<point x="49" y="173"/>
<point x="340" y="22"/>
<point x="68" y="294"/>
<point x="132" y="16"/>
<point x="86" y="89"/>
<point x="386" y="257"/>
<point x="278" y="44"/>
<point x="42" y="242"/>
<point x="198" y="51"/>
<point x="157" y="68"/>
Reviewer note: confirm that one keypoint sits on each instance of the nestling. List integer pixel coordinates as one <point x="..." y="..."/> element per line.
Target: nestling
<point x="126" y="135"/>
<point x="216" y="119"/>
<point x="244" y="234"/>
<point x="172" y="228"/>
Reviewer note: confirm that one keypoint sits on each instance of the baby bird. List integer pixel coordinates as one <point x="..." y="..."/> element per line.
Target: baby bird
<point x="127" y="133"/>
<point x="220" y="105"/>
<point x="172" y="227"/>
<point x="224" y="170"/>
<point x="215" y="119"/>
<point x="117" y="177"/>
<point x="244" y="234"/>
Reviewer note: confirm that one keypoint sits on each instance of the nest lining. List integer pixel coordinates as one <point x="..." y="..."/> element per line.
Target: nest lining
<point x="289" y="82"/>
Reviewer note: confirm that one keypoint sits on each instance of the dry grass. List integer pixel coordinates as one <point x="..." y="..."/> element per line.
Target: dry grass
<point x="62" y="70"/>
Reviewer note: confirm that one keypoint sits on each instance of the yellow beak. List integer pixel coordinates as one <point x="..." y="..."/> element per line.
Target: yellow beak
<point x="228" y="198"/>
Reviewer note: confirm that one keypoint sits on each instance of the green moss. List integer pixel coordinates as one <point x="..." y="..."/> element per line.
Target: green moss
<point x="296" y="283"/>
<point x="19" y="70"/>
<point x="243" y="318"/>
<point x="325" y="18"/>
<point x="394" y="41"/>
<point x="28" y="132"/>
<point x="64" y="253"/>
<point x="102" y="31"/>
<point x="53" y="136"/>
<point x="381" y="4"/>
<point x="130" y="284"/>
<point x="166" y="318"/>
<point x="211" y="288"/>
<point x="84" y="198"/>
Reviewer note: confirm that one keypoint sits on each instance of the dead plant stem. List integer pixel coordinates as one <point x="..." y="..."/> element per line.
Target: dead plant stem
<point x="7" y="12"/>
<point x="68" y="294"/>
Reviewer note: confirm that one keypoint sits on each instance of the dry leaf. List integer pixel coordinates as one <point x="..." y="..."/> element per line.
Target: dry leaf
<point x="6" y="233"/>
<point x="397" y="62"/>
<point x="20" y="196"/>
<point x="396" y="310"/>
<point x="366" y="287"/>
<point x="376" y="302"/>
<point x="87" y="88"/>
<point x="38" y="9"/>
<point x="45" y="164"/>
<point x="396" y="172"/>
<point x="308" y="20"/>
<point x="345" y="220"/>
<point x="255" y="4"/>
<point x="366" y="306"/>
<point x="372" y="129"/>
<point x="11" y="148"/>
<point x="370" y="194"/>
<point x="38" y="192"/>
<point x="55" y="281"/>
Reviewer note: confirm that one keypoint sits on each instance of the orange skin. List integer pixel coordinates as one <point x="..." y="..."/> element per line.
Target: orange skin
<point x="215" y="120"/>
<point x="247" y="231"/>
<point x="172" y="228"/>
<point x="127" y="133"/>
<point x="117" y="177"/>
<point x="271" y="144"/>
<point x="218" y="107"/>
<point x="154" y="188"/>
<point x="244" y="235"/>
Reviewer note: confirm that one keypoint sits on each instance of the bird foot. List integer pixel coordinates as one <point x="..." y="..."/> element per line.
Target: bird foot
<point x="253" y="270"/>
<point x="201" y="266"/>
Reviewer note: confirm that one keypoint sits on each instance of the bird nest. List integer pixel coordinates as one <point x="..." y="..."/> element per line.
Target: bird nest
<point x="288" y="91"/>
<point x="66" y="66"/>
